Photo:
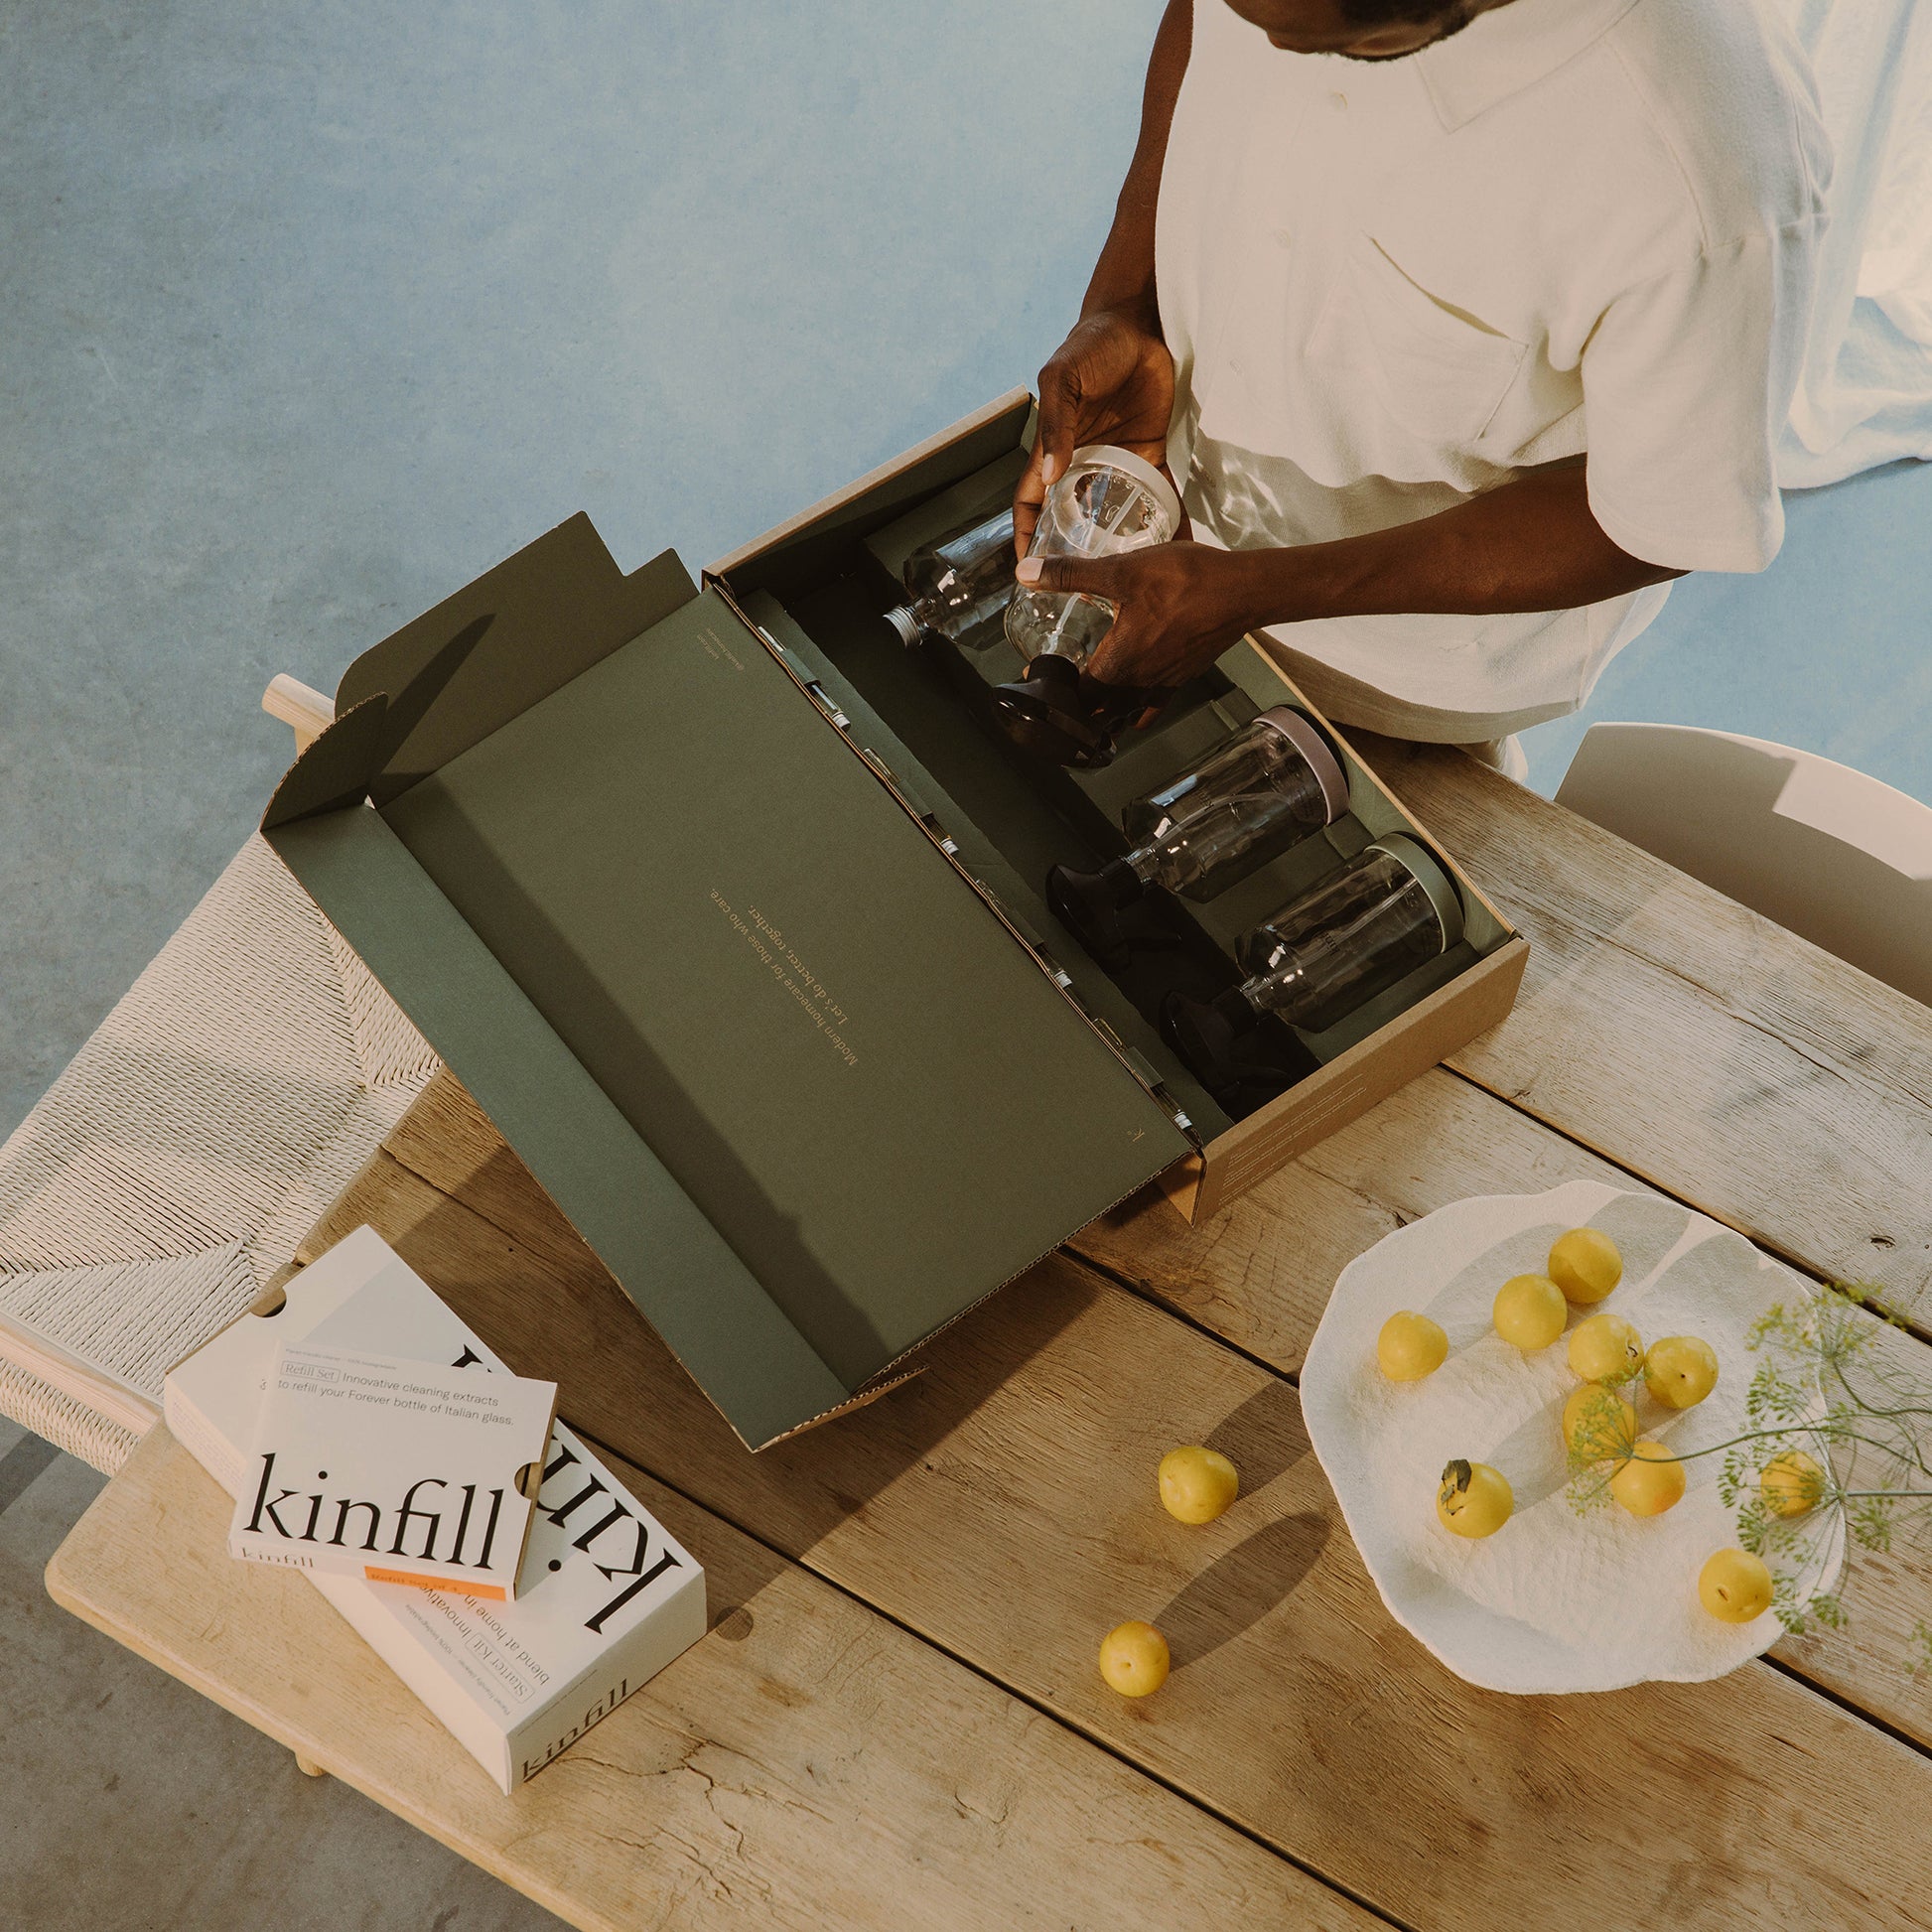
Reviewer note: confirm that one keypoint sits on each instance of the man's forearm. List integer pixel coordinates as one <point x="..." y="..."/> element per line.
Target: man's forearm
<point x="1123" y="280"/>
<point x="1529" y="545"/>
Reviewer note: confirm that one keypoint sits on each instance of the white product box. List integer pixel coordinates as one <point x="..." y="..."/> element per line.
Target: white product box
<point x="608" y="1596"/>
<point x="410" y="1472"/>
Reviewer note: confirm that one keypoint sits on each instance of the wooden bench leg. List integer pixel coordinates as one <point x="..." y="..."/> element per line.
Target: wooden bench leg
<point x="307" y="1769"/>
<point x="307" y="711"/>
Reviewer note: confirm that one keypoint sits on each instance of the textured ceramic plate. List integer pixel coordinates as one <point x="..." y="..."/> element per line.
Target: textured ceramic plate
<point x="1557" y="1600"/>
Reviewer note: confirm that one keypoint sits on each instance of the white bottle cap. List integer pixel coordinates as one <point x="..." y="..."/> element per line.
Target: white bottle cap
<point x="1110" y="456"/>
<point x="1323" y="761"/>
<point x="1421" y="864"/>
<point x="905" y="624"/>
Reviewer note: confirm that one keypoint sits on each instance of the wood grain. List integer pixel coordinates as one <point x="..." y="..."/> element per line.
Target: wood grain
<point x="1003" y="1507"/>
<point x="807" y="1764"/>
<point x="306" y="710"/>
<point x="1726" y="1059"/>
<point x="1259" y="1275"/>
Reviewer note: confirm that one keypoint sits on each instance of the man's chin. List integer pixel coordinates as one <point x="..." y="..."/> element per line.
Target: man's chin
<point x="1453" y="22"/>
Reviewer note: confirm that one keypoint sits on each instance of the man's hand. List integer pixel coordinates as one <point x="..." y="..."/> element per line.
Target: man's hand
<point x="1530" y="544"/>
<point x="1110" y="382"/>
<point x="1179" y="605"/>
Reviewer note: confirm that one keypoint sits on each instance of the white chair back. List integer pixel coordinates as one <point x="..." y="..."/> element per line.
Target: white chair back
<point x="1836" y="856"/>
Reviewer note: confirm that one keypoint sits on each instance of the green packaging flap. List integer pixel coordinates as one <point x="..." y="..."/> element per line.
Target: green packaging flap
<point x="866" y="1087"/>
<point x="789" y="1074"/>
<point x="701" y="1298"/>
<point x="536" y="621"/>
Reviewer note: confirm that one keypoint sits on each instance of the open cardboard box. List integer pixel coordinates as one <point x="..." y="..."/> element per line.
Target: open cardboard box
<point x="728" y="914"/>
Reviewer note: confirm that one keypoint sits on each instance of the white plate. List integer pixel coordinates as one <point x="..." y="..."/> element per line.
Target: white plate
<point x="1555" y="1600"/>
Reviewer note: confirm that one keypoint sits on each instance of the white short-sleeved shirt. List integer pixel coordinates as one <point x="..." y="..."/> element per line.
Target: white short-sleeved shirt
<point x="1576" y="224"/>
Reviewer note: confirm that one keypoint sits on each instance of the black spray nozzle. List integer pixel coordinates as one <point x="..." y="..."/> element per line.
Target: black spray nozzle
<point x="1244" y="1058"/>
<point x="1089" y="903"/>
<point x="1056" y="713"/>
<point x="1208" y="1033"/>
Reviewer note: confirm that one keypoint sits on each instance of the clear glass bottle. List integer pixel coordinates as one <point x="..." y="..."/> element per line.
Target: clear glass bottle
<point x="1261" y="789"/>
<point x="959" y="584"/>
<point x="1109" y="500"/>
<point x="1351" y="935"/>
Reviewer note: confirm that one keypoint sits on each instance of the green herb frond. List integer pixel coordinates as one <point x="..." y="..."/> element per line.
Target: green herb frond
<point x="1830" y="1386"/>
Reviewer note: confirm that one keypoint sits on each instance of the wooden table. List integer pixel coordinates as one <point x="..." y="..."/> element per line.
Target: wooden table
<point x="896" y="1720"/>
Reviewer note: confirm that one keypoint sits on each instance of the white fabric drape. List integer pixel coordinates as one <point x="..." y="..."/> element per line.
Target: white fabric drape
<point x="1865" y="396"/>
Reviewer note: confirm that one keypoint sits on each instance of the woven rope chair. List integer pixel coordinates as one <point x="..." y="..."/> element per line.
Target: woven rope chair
<point x="193" y="1140"/>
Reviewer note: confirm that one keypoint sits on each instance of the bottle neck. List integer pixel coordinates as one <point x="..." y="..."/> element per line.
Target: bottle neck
<point x="1283" y="989"/>
<point x="1253" y="994"/>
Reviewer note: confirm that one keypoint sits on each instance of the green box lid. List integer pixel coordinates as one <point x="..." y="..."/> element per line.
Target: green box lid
<point x="765" y="1045"/>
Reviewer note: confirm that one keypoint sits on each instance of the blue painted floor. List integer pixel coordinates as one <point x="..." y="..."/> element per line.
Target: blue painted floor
<point x="1830" y="649"/>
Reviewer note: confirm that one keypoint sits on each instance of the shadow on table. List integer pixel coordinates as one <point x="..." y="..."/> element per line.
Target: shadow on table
<point x="550" y="1309"/>
<point x="1237" y="1589"/>
<point x="1264" y="1437"/>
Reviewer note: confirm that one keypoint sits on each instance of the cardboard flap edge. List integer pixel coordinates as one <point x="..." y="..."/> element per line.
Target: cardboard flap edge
<point x="550" y="611"/>
<point x="672" y="1263"/>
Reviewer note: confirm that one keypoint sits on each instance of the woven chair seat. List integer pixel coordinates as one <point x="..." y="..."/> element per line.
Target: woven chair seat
<point x="193" y="1140"/>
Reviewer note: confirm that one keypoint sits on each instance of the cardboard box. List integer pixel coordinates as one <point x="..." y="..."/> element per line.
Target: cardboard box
<point x="729" y="917"/>
<point x="795" y="587"/>
<point x="411" y="1472"/>
<point x="606" y="1598"/>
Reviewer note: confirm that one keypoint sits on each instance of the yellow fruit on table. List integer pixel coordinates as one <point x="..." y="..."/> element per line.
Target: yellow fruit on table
<point x="1791" y="1483"/>
<point x="1133" y="1659"/>
<point x="1734" y="1586"/>
<point x="1585" y="1265"/>
<point x="1474" y="1500"/>
<point x="1530" y="1312"/>
<point x="1680" y="1371"/>
<point x="1605" y="1348"/>
<point x="1197" y="1484"/>
<point x="1650" y="1481"/>
<point x="1411" y="1346"/>
<point x="1598" y="1424"/>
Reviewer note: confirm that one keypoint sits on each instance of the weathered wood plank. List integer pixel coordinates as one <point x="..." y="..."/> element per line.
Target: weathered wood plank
<point x="1003" y="1505"/>
<point x="1716" y="1054"/>
<point x="1261" y="1273"/>
<point x="807" y="1765"/>
<point x="448" y="1140"/>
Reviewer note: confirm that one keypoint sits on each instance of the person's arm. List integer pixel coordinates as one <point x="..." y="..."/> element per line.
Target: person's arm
<point x="1529" y="545"/>
<point x="1123" y="278"/>
<point x="1112" y="380"/>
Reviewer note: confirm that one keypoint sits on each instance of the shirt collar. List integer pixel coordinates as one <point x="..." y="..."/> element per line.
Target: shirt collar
<point x="1509" y="47"/>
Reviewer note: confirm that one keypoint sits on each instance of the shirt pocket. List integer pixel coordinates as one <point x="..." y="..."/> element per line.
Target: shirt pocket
<point x="1440" y="373"/>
